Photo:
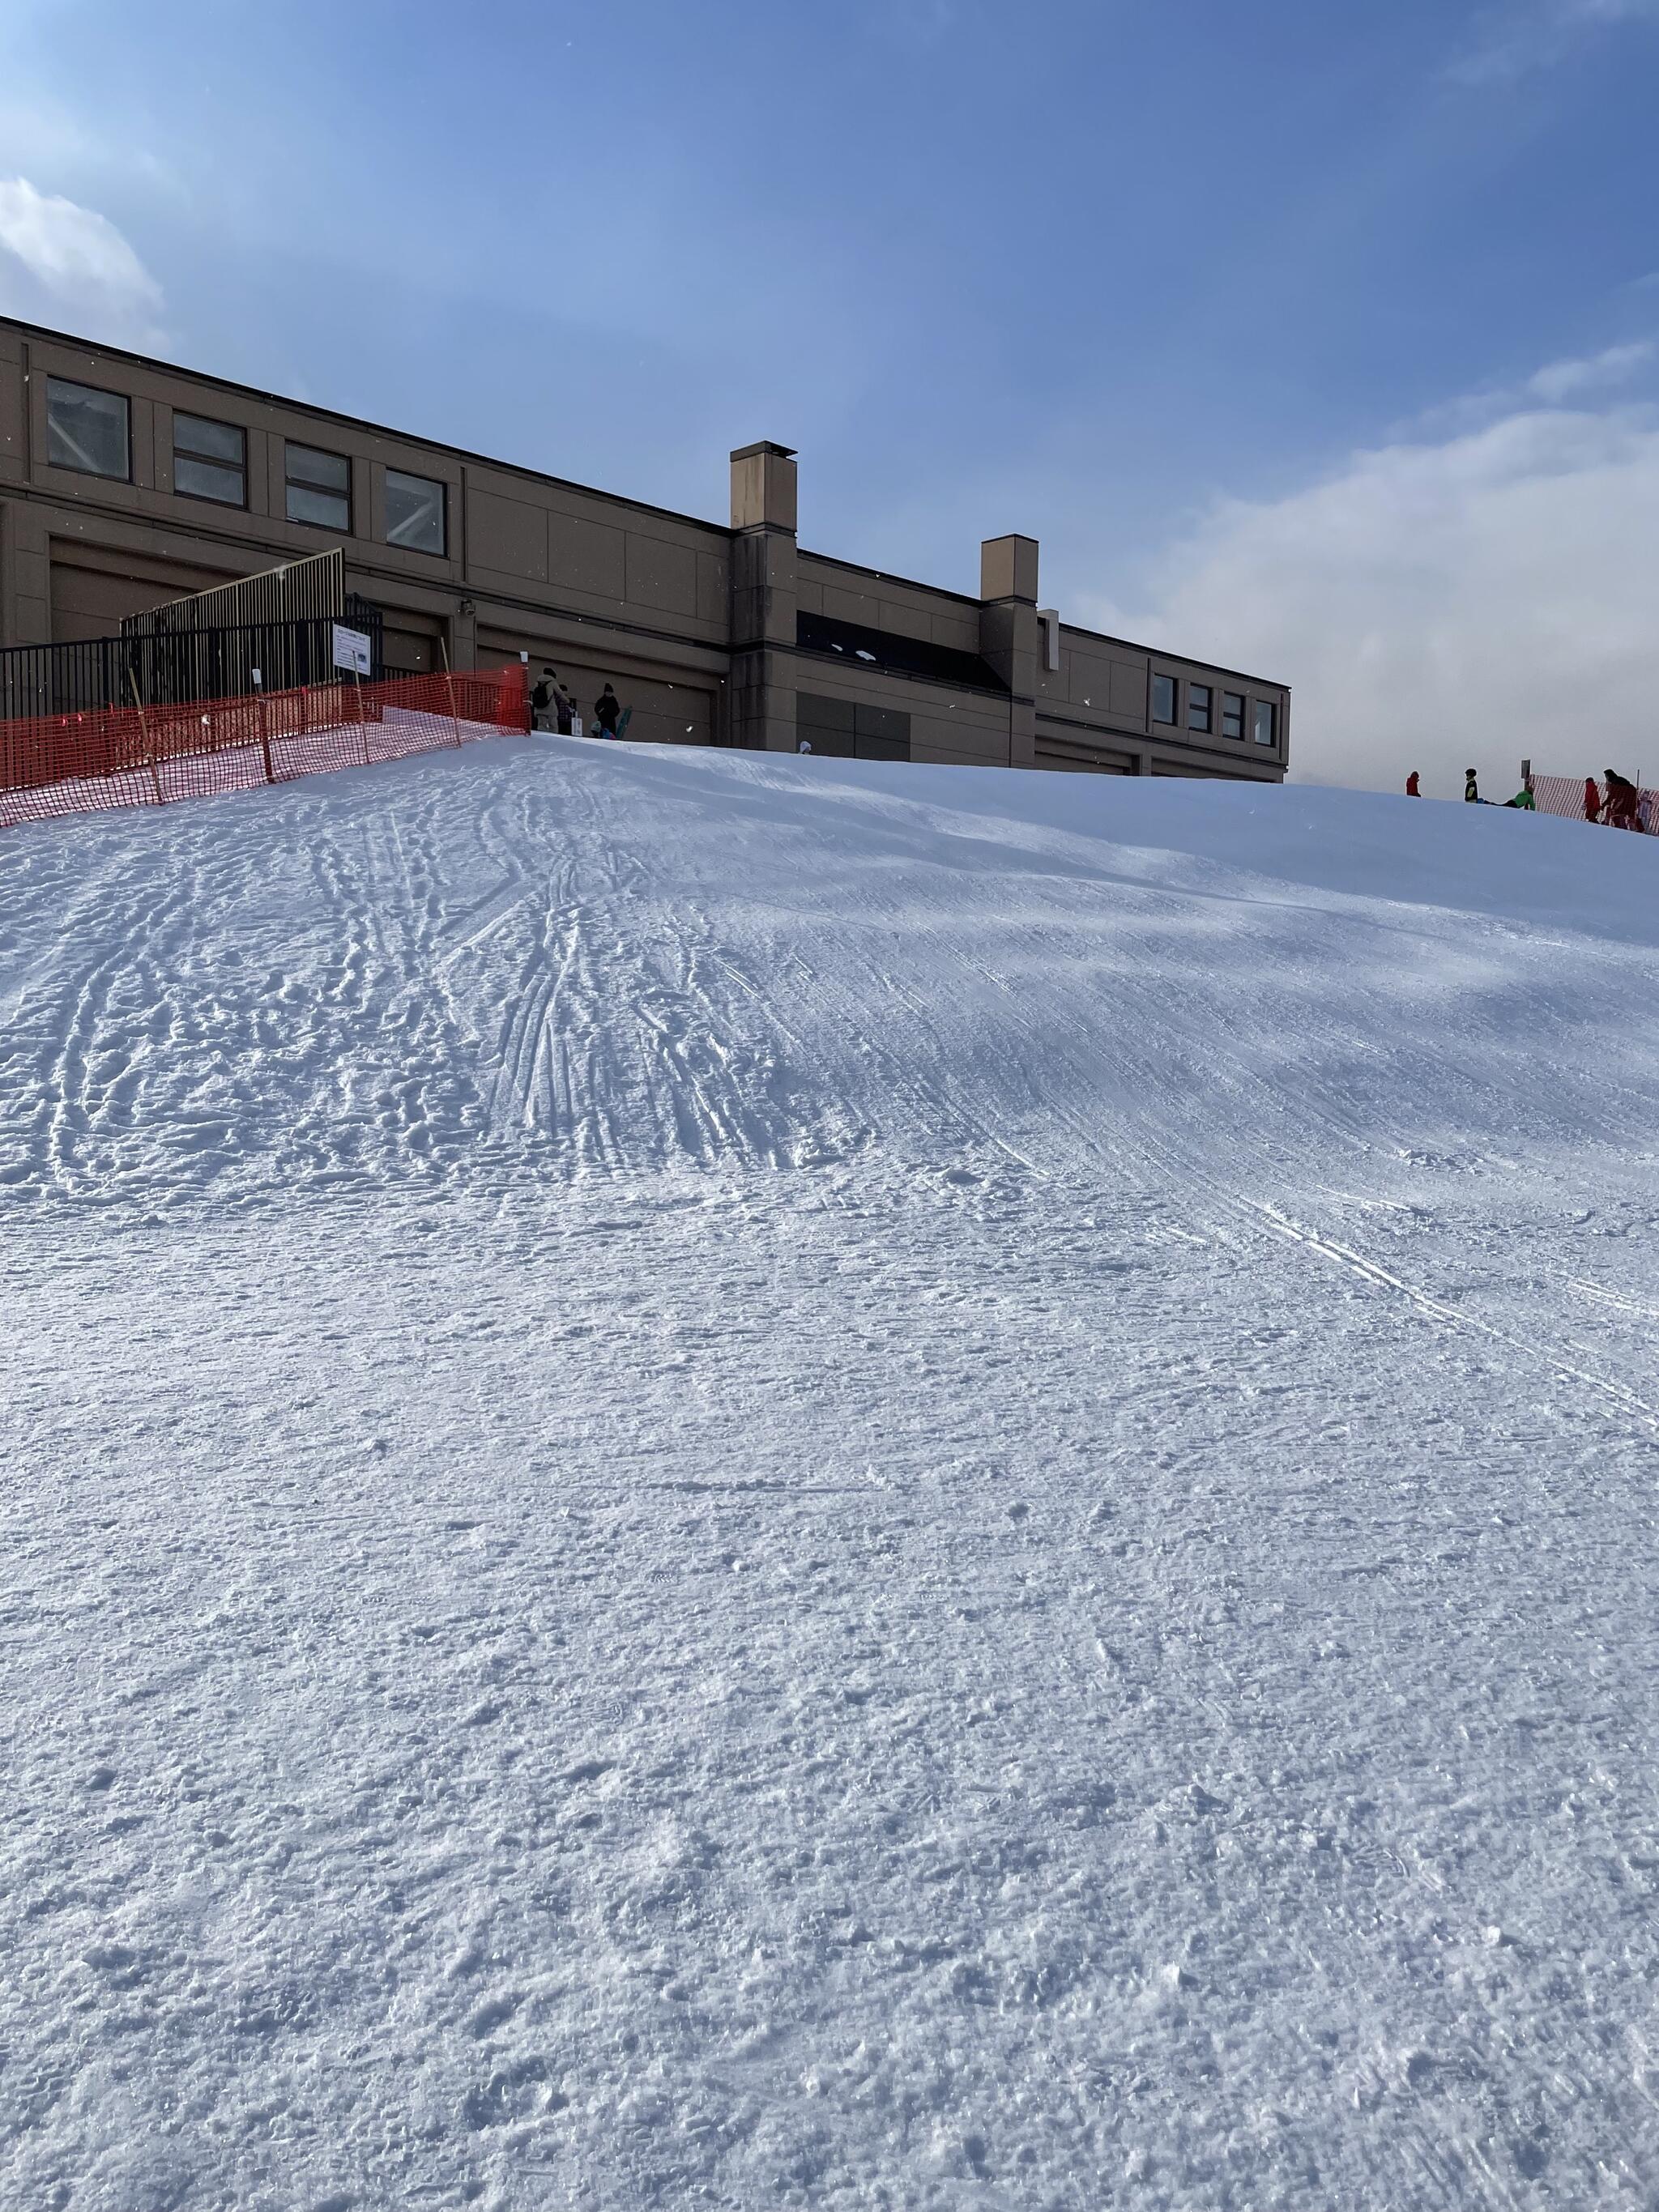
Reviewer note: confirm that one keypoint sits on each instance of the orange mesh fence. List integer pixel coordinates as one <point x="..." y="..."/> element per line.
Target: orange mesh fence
<point x="1582" y="799"/>
<point x="150" y="756"/>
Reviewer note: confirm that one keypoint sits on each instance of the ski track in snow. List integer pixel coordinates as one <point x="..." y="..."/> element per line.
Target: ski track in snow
<point x="743" y="1482"/>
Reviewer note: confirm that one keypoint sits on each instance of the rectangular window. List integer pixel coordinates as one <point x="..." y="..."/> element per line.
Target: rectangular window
<point x="1232" y="714"/>
<point x="414" y="513"/>
<point x="837" y="728"/>
<point x="881" y="733"/>
<point x="89" y="431"/>
<point x="1163" y="698"/>
<point x="319" y="489"/>
<point x="210" y="460"/>
<point x="1267" y="722"/>
<point x="1199" y="696"/>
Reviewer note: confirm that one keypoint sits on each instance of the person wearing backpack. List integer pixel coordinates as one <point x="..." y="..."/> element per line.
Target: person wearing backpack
<point x="547" y="702"/>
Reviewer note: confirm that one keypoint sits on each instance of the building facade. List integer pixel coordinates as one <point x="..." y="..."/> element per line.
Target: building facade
<point x="125" y="484"/>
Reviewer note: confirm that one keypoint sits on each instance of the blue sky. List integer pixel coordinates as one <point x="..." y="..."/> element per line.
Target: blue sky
<point x="1229" y="304"/>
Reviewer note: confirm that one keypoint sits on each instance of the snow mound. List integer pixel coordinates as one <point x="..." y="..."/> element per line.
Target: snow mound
<point x="734" y="1481"/>
<point x="542" y="959"/>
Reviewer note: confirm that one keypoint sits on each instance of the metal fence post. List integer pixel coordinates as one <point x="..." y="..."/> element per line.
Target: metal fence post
<point x="263" y="714"/>
<point x="143" y="726"/>
<point x="449" y="681"/>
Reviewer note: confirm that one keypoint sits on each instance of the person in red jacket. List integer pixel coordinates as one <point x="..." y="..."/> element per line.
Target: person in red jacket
<point x="1592" y="799"/>
<point x="1411" y="791"/>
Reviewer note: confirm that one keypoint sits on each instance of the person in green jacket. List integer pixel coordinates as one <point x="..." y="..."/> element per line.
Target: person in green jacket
<point x="1525" y="797"/>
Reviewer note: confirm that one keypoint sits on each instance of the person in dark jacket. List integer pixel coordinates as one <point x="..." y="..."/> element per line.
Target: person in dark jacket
<point x="1470" y="789"/>
<point x="607" y="711"/>
<point x="1411" y="791"/>
<point x="1623" y="803"/>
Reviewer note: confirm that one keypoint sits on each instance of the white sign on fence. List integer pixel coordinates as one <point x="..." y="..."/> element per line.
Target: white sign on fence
<point x="353" y="649"/>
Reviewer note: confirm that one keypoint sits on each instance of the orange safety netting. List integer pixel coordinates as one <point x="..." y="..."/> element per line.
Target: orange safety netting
<point x="149" y="756"/>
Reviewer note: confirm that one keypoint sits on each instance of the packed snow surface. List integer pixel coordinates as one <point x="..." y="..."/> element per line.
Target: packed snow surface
<point x="747" y="1481"/>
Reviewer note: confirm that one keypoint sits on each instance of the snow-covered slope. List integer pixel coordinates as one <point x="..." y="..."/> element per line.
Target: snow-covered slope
<point x="748" y="1480"/>
<point x="555" y="961"/>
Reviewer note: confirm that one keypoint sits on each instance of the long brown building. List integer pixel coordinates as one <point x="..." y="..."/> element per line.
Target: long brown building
<point x="125" y="484"/>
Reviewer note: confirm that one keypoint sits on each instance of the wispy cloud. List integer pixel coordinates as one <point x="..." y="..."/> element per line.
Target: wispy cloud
<point x="57" y="255"/>
<point x="1561" y="380"/>
<point x="1475" y="596"/>
<point x="1512" y="41"/>
<point x="1574" y="380"/>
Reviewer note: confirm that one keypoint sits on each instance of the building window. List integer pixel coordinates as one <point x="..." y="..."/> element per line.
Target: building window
<point x="1267" y="722"/>
<point x="210" y="460"/>
<point x="319" y="489"/>
<point x="1163" y="698"/>
<point x="844" y="731"/>
<point x="89" y="431"/>
<point x="1232" y="714"/>
<point x="1199" y="697"/>
<point x="414" y="513"/>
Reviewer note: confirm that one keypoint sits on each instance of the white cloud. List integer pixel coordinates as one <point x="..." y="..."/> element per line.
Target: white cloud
<point x="56" y="255"/>
<point x="1567" y="379"/>
<point x="1534" y="34"/>
<point x="1476" y="599"/>
<point x="1553" y="385"/>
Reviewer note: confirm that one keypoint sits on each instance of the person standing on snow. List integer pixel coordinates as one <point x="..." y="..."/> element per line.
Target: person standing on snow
<point x="1470" y="789"/>
<point x="1411" y="791"/>
<point x="544" y="702"/>
<point x="1622" y="802"/>
<point x="1592" y="799"/>
<point x="606" y="711"/>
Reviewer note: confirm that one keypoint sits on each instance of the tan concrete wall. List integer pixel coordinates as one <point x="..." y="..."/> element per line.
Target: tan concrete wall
<point x="1071" y="750"/>
<point x="1103" y="689"/>
<point x="13" y="438"/>
<point x="1105" y="683"/>
<point x="523" y="549"/>
<point x="93" y="590"/>
<point x="846" y="594"/>
<point x="1214" y="753"/>
<point x="966" y="728"/>
<point x="695" y="620"/>
<point x="665" y="712"/>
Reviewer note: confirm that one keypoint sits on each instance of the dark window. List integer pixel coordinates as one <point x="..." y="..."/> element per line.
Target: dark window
<point x="210" y="460"/>
<point x="881" y="733"/>
<point x="852" y="642"/>
<point x="849" y="732"/>
<point x="1199" y="696"/>
<point x="1267" y="722"/>
<point x="1232" y="714"/>
<point x="319" y="488"/>
<point x="89" y="431"/>
<point x="1164" y="699"/>
<point x="414" y="513"/>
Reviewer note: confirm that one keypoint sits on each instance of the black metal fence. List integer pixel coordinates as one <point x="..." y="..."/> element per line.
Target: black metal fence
<point x="169" y="668"/>
<point x="299" y="590"/>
